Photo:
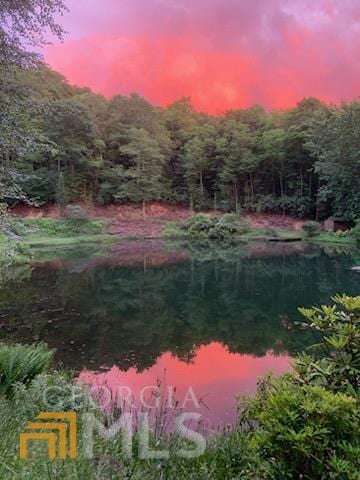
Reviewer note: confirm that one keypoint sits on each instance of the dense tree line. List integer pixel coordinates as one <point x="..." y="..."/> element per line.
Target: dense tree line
<point x="73" y="144"/>
<point x="59" y="143"/>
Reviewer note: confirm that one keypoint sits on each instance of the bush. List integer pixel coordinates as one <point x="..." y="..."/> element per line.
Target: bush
<point x="203" y="226"/>
<point x="302" y="431"/>
<point x="22" y="363"/>
<point x="312" y="228"/>
<point x="337" y="364"/>
<point x="306" y="424"/>
<point x="199" y="225"/>
<point x="228" y="226"/>
<point x="76" y="211"/>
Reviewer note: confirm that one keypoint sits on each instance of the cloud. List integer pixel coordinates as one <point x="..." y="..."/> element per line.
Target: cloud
<point x="223" y="53"/>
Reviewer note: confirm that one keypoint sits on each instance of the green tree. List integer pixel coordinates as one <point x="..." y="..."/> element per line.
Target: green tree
<point x="335" y="142"/>
<point x="199" y="159"/>
<point x="23" y="23"/>
<point x="140" y="178"/>
<point x="77" y="149"/>
<point x="235" y="151"/>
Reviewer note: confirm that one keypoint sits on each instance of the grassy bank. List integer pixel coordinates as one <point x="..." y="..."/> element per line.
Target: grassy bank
<point x="57" y="231"/>
<point x="24" y="235"/>
<point x="226" y="227"/>
<point x="301" y="425"/>
<point x="329" y="237"/>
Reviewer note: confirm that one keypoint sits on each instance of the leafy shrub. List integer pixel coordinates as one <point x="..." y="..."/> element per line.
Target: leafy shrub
<point x="199" y="225"/>
<point x="302" y="431"/>
<point x="22" y="363"/>
<point x="76" y="211"/>
<point x="229" y="225"/>
<point x="312" y="228"/>
<point x="203" y="226"/>
<point x="337" y="365"/>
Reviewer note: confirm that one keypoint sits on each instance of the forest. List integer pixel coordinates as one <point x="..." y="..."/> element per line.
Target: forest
<point x="72" y="144"/>
<point x="60" y="143"/>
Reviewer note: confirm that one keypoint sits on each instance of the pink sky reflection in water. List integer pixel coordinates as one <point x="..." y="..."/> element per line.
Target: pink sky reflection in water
<point x="215" y="375"/>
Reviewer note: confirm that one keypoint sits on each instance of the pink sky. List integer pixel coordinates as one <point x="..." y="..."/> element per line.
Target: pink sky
<point x="223" y="53"/>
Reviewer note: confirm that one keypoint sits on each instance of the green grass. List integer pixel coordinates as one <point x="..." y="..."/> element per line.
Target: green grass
<point x="40" y="228"/>
<point x="224" y="457"/>
<point x="51" y="232"/>
<point x="328" y="237"/>
<point x="174" y="232"/>
<point x="63" y="241"/>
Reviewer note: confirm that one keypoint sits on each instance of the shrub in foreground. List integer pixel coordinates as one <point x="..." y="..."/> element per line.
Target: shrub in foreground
<point x="22" y="363"/>
<point x="335" y="364"/>
<point x="303" y="431"/>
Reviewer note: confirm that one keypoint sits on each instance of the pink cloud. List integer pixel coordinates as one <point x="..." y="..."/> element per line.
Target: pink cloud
<point x="224" y="54"/>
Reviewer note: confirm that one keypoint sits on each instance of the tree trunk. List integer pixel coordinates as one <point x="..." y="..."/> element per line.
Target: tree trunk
<point x="282" y="191"/>
<point x="144" y="209"/>
<point x="252" y="187"/>
<point x="191" y="205"/>
<point x="236" y="198"/>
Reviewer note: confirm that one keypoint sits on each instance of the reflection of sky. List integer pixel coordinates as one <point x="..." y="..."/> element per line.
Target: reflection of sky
<point x="215" y="375"/>
<point x="272" y="52"/>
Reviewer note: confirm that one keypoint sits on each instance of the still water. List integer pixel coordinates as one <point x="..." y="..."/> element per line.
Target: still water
<point x="211" y="317"/>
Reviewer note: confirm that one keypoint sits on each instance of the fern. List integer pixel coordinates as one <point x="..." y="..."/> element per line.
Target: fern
<point x="22" y="363"/>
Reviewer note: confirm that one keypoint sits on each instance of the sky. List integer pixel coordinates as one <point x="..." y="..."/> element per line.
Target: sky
<point x="224" y="54"/>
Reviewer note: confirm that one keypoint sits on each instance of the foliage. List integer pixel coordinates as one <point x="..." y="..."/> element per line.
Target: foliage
<point x="338" y="368"/>
<point x="22" y="363"/>
<point x="306" y="424"/>
<point x="60" y="227"/>
<point x="333" y="141"/>
<point x="49" y="392"/>
<point x="23" y="23"/>
<point x="202" y="226"/>
<point x="355" y="231"/>
<point x="199" y="225"/>
<point x="76" y="211"/>
<point x="302" y="431"/>
<point x="312" y="228"/>
<point x="229" y="226"/>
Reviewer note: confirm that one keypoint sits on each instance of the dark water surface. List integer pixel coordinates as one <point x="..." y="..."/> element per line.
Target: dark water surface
<point x="210" y="317"/>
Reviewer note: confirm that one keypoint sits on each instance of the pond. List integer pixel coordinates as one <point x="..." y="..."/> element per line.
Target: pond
<point x="210" y="317"/>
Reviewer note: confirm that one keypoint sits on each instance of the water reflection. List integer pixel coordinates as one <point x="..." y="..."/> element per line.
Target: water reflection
<point x="213" y="316"/>
<point x="215" y="376"/>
